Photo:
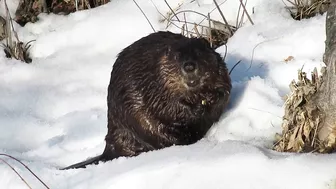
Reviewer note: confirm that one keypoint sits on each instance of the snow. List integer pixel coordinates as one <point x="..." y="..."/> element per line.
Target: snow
<point x="53" y="111"/>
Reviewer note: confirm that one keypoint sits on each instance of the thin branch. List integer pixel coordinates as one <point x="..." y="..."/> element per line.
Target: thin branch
<point x="203" y="26"/>
<point x="221" y="13"/>
<point x="248" y="16"/>
<point x="196" y="30"/>
<point x="210" y="34"/>
<point x="18" y="174"/>
<point x="205" y="17"/>
<point x="234" y="66"/>
<point x="257" y="46"/>
<point x="171" y="10"/>
<point x="238" y="16"/>
<point x="242" y="17"/>
<point x="76" y="4"/>
<point x="186" y="25"/>
<point x="44" y="6"/>
<point x="11" y="22"/>
<point x="212" y="11"/>
<point x="144" y="15"/>
<point x="182" y="11"/>
<point x="26" y="168"/>
<point x="225" y="52"/>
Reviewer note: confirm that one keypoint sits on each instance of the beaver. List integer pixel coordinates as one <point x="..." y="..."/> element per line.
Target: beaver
<point x="165" y="89"/>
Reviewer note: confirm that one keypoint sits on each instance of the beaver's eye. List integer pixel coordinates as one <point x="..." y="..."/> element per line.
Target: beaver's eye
<point x="189" y="66"/>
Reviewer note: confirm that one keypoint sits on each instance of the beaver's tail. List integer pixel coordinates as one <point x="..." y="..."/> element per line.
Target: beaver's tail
<point x="83" y="164"/>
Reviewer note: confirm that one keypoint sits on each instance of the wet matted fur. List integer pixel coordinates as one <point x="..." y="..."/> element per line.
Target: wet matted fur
<point x="165" y="89"/>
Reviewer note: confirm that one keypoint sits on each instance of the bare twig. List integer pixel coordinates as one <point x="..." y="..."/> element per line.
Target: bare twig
<point x="225" y="52"/>
<point x="76" y="5"/>
<point x="221" y="13"/>
<point x="172" y="10"/>
<point x="210" y="35"/>
<point x="26" y="168"/>
<point x="87" y="4"/>
<point x="11" y="22"/>
<point x="191" y="32"/>
<point x="44" y="6"/>
<point x="144" y="15"/>
<point x="300" y="9"/>
<point x="14" y="48"/>
<point x="196" y="30"/>
<point x="234" y="66"/>
<point x="242" y="17"/>
<point x="191" y="11"/>
<point x="254" y="48"/>
<point x="185" y="23"/>
<point x="212" y="11"/>
<point x="183" y="29"/>
<point x="248" y="16"/>
<point x="18" y="174"/>
<point x="238" y="15"/>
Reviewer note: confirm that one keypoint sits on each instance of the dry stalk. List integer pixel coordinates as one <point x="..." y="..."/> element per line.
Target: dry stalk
<point x="210" y="35"/>
<point x="171" y="10"/>
<point x="144" y="15"/>
<point x="236" y="64"/>
<point x="44" y="7"/>
<point x="302" y="9"/>
<point x="9" y="156"/>
<point x="237" y="19"/>
<point x="212" y="11"/>
<point x="18" y="174"/>
<point x="221" y="13"/>
<point x="216" y="32"/>
<point x="196" y="30"/>
<point x="14" y="48"/>
<point x="186" y="25"/>
<point x="3" y="32"/>
<point x="247" y="14"/>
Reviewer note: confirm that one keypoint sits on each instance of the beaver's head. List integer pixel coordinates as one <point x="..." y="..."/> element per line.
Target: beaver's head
<point x="196" y="73"/>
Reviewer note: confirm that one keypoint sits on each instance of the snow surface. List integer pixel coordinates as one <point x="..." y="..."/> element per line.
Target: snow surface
<point x="53" y="111"/>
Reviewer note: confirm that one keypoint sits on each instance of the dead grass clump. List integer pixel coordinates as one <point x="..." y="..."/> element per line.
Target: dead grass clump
<point x="302" y="118"/>
<point x="28" y="11"/>
<point x="217" y="32"/>
<point x="303" y="9"/>
<point x="14" y="48"/>
<point x="2" y="28"/>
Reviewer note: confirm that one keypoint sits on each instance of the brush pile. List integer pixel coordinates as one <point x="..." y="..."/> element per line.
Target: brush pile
<point x="302" y="118"/>
<point x="28" y="10"/>
<point x="217" y="32"/>
<point x="303" y="9"/>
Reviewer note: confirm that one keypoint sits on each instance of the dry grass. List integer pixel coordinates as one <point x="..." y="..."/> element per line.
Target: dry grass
<point x="2" y="28"/>
<point x="86" y="4"/>
<point x="28" y="11"/>
<point x="14" y="48"/>
<point x="217" y="32"/>
<point x="303" y="9"/>
<point x="301" y="119"/>
<point x="25" y="166"/>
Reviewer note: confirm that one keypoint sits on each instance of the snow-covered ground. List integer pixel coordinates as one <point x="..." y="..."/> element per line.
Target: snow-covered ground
<point x="53" y="111"/>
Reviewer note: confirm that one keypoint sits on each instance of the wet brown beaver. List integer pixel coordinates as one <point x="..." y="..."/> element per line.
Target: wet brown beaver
<point x="165" y="89"/>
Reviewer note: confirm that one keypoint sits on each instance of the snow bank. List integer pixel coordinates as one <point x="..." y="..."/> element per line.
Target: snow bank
<point x="53" y="111"/>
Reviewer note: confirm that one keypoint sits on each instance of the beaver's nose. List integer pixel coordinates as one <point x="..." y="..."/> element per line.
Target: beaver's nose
<point x="189" y="67"/>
